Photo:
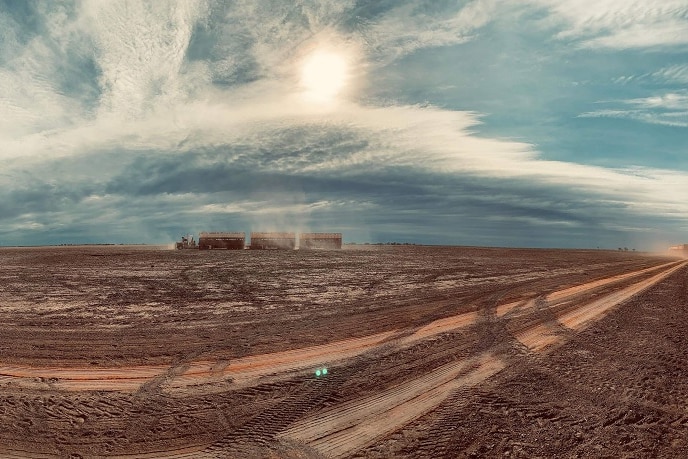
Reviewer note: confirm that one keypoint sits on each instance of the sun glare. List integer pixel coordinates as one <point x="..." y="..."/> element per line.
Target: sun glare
<point x="323" y="75"/>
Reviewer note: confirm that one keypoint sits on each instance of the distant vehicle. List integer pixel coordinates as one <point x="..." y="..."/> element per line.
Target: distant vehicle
<point x="221" y="240"/>
<point x="320" y="241"/>
<point x="260" y="241"/>
<point x="187" y="242"/>
<point x="680" y="250"/>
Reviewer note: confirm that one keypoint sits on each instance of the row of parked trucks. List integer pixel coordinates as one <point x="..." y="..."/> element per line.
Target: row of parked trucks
<point x="261" y="241"/>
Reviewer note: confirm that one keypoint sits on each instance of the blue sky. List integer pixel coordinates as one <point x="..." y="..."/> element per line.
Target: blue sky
<point x="535" y="123"/>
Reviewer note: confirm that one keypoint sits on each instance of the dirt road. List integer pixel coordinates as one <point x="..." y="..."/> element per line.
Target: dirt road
<point x="229" y="369"/>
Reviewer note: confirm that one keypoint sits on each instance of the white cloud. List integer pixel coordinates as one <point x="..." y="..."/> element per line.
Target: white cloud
<point x="275" y="207"/>
<point x="644" y="36"/>
<point x="675" y="119"/>
<point x="442" y="141"/>
<point x="140" y="51"/>
<point x="274" y="30"/>
<point x="419" y="137"/>
<point x="670" y="109"/>
<point x="673" y="74"/>
<point x="669" y="101"/>
<point x="621" y="24"/>
<point x="30" y="97"/>
<point x="405" y="29"/>
<point x="151" y="97"/>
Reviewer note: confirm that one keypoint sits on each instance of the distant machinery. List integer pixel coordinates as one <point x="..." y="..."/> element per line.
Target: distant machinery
<point x="320" y="241"/>
<point x="261" y="241"/>
<point x="228" y="241"/>
<point x="681" y="250"/>
<point x="187" y="242"/>
<point x="272" y="241"/>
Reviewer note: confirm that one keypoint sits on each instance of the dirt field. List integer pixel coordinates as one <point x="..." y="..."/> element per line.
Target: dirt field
<point x="140" y="352"/>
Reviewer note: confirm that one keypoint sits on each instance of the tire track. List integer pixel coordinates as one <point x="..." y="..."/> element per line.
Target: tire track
<point x="540" y="336"/>
<point x="247" y="371"/>
<point x="571" y="292"/>
<point x="23" y="454"/>
<point x="261" y="431"/>
<point x="250" y="370"/>
<point x="354" y="425"/>
<point x="125" y="379"/>
<point x="578" y="318"/>
<point x="543" y="334"/>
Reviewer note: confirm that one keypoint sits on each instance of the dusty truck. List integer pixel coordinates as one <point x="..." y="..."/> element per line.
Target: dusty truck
<point x="227" y="241"/>
<point x="320" y="241"/>
<point x="273" y="241"/>
<point x="187" y="242"/>
<point x="260" y="241"/>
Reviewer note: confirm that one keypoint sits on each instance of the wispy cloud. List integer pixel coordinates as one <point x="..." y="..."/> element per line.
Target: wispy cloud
<point x="38" y="89"/>
<point x="670" y="109"/>
<point x="411" y="26"/>
<point x="140" y="50"/>
<point x="673" y="74"/>
<point x="621" y="24"/>
<point x="675" y="119"/>
<point x="669" y="101"/>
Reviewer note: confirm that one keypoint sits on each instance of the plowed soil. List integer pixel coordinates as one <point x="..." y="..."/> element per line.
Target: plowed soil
<point x="143" y="352"/>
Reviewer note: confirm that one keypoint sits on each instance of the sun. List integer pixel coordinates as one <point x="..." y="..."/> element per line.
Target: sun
<point x="323" y="75"/>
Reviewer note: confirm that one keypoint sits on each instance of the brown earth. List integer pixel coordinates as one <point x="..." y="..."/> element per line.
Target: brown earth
<point x="431" y="352"/>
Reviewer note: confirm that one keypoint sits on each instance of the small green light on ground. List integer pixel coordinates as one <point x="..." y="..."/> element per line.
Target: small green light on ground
<point x="320" y="372"/>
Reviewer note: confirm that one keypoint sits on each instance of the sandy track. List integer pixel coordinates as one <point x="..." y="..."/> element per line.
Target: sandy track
<point x="353" y="425"/>
<point x="251" y="370"/>
<point x="194" y="452"/>
<point x="541" y="335"/>
<point x="571" y="292"/>
<point x="80" y="379"/>
<point x="617" y="388"/>
<point x="248" y="370"/>
<point x="191" y="452"/>
<point x="441" y="326"/>
<point x="579" y="317"/>
<point x="21" y="454"/>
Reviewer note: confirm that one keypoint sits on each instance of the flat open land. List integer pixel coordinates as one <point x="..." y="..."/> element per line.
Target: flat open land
<point x="142" y="352"/>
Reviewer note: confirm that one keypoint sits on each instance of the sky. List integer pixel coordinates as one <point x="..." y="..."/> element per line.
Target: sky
<point x="525" y="123"/>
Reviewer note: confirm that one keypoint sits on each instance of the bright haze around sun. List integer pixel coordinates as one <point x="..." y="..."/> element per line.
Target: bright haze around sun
<point x="324" y="75"/>
<point x="524" y="123"/>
